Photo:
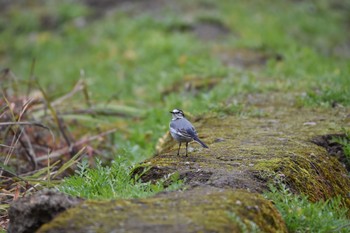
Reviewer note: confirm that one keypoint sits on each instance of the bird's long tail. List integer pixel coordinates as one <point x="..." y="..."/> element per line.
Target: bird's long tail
<point x="200" y="142"/>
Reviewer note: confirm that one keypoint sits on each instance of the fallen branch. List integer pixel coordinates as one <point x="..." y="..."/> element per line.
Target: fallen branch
<point x="67" y="149"/>
<point x="100" y="112"/>
<point x="79" y="86"/>
<point x="24" y="123"/>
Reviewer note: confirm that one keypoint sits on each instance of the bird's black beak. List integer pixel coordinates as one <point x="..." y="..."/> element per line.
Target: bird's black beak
<point x="171" y="112"/>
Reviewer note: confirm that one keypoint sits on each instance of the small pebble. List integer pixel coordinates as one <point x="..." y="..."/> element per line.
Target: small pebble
<point x="219" y="140"/>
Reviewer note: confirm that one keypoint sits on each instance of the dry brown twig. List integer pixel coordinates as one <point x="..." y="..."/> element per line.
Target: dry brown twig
<point x="60" y="152"/>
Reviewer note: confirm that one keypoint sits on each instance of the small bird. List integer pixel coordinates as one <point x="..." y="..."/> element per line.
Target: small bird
<point x="182" y="130"/>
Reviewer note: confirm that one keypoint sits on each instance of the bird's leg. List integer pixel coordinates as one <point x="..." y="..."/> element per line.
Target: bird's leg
<point x="186" y="147"/>
<point x="178" y="151"/>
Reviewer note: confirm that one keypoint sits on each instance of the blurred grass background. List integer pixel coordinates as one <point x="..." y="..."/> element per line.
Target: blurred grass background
<point x="202" y="56"/>
<point x="142" y="58"/>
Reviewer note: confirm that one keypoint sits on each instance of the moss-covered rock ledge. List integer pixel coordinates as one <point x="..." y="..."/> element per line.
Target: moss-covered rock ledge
<point x="247" y="152"/>
<point x="197" y="210"/>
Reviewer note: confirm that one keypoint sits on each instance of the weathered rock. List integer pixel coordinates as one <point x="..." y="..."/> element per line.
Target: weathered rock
<point x="246" y="153"/>
<point x="201" y="209"/>
<point x="29" y="213"/>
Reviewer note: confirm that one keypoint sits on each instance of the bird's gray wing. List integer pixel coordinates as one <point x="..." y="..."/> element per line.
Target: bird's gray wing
<point x="184" y="128"/>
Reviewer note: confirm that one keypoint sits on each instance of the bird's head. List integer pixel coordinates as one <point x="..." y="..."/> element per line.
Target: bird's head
<point x="177" y="113"/>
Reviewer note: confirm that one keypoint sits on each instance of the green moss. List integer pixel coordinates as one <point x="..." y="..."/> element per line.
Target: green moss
<point x="268" y="165"/>
<point x="201" y="209"/>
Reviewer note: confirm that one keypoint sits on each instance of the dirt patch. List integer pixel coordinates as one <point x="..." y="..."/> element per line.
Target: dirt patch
<point x="206" y="29"/>
<point x="192" y="84"/>
<point x="211" y="30"/>
<point x="4" y="4"/>
<point x="105" y="5"/>
<point x="132" y="7"/>
<point x="246" y="58"/>
<point x="333" y="148"/>
<point x="201" y="171"/>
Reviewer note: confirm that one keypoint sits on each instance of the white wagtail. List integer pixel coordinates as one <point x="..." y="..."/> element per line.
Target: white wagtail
<point x="182" y="130"/>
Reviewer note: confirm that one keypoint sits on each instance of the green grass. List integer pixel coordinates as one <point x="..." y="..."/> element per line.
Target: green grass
<point x="301" y="215"/>
<point x="113" y="182"/>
